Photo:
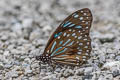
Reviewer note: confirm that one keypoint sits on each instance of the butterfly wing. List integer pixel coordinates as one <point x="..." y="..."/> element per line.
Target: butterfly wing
<point x="75" y="48"/>
<point x="70" y="43"/>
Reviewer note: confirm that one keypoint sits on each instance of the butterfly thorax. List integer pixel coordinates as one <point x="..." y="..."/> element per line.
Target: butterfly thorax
<point x="44" y="58"/>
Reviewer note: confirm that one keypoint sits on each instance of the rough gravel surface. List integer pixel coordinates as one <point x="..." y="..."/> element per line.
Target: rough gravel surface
<point x="25" y="27"/>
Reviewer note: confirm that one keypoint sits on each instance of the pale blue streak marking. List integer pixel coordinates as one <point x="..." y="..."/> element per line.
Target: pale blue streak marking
<point x="66" y="42"/>
<point x="62" y="24"/>
<point x="81" y="18"/>
<point x="58" y="58"/>
<point x="61" y="42"/>
<point x="71" y="43"/>
<point x="53" y="46"/>
<point x="57" y="34"/>
<point x="75" y="15"/>
<point x="71" y="25"/>
<point x="66" y="24"/>
<point x="55" y="51"/>
<point x="61" y="51"/>
<point x="78" y="26"/>
<point x="63" y="55"/>
<point x="73" y="34"/>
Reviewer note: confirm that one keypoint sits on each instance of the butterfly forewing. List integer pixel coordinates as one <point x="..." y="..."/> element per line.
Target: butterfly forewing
<point x="70" y="43"/>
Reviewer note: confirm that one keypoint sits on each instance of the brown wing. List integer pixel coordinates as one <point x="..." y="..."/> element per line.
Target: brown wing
<point x="78" y="48"/>
<point x="70" y="43"/>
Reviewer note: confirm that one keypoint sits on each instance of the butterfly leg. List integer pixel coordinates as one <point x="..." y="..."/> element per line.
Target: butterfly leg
<point x="40" y="66"/>
<point x="72" y="67"/>
<point x="53" y="67"/>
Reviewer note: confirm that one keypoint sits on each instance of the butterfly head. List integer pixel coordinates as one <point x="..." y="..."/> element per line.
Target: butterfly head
<point x="43" y="58"/>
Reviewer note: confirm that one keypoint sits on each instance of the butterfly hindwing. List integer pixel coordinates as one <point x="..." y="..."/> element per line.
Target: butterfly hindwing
<point x="70" y="43"/>
<point x="77" y="48"/>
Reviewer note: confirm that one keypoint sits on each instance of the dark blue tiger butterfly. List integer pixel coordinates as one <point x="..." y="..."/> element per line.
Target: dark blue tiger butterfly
<point x="70" y="44"/>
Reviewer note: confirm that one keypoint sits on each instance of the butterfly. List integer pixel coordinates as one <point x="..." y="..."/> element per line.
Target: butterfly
<point x="70" y="44"/>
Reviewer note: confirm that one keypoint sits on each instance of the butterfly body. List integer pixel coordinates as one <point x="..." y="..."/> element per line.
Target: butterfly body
<point x="45" y="59"/>
<point x="70" y="44"/>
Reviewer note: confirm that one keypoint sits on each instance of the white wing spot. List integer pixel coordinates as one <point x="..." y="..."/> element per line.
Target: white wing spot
<point x="81" y="11"/>
<point x="70" y="29"/>
<point x="77" y="58"/>
<point x="84" y="57"/>
<point x="86" y="22"/>
<point x="79" y="37"/>
<point x="64" y="34"/>
<point x="88" y="43"/>
<point x="73" y="30"/>
<point x="79" y="53"/>
<point x="80" y="43"/>
<point x="68" y="35"/>
<point x="77" y="63"/>
<point x="87" y="50"/>
<point x="86" y="47"/>
<point x="81" y="18"/>
<point x="85" y="14"/>
<point x="85" y="35"/>
<point x="47" y="51"/>
<point x="76" y="16"/>
<point x="58" y="37"/>
<point x="86" y="27"/>
<point x="86" y="54"/>
<point x="87" y="17"/>
<point x="73" y="34"/>
<point x="83" y="21"/>
<point x="80" y="49"/>
<point x="85" y="39"/>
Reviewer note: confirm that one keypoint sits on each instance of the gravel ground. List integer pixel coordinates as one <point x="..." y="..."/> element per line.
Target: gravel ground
<point x="25" y="27"/>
